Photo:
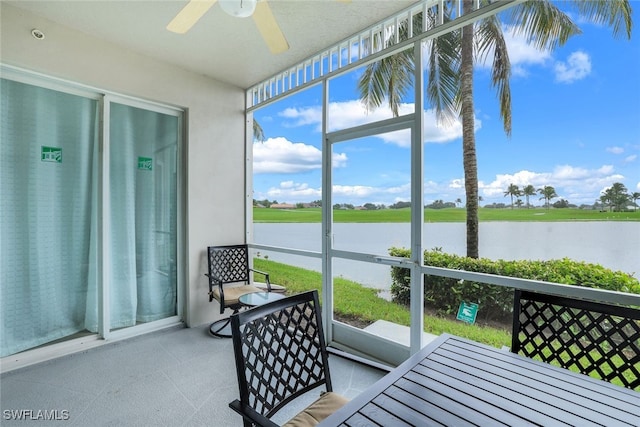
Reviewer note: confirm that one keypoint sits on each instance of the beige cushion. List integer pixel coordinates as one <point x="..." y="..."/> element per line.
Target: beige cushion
<point x="232" y="293"/>
<point x="274" y="288"/>
<point x="324" y="406"/>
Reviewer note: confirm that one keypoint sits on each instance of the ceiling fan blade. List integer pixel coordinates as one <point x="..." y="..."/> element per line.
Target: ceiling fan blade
<point x="189" y="15"/>
<point x="269" y="28"/>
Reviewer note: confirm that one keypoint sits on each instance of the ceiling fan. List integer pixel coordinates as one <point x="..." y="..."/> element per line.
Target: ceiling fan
<point x="258" y="10"/>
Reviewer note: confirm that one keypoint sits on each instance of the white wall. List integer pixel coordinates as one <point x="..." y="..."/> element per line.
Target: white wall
<point x="214" y="125"/>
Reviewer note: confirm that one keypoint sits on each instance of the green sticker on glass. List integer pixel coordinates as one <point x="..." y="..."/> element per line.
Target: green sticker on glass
<point x="145" y="163"/>
<point x="51" y="154"/>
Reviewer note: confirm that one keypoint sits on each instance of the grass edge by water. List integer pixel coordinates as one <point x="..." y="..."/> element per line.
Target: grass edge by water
<point x="360" y="305"/>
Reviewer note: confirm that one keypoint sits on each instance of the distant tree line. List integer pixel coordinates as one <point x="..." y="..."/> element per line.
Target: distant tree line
<point x="614" y="199"/>
<point x="267" y="204"/>
<point x="439" y="204"/>
<point x="264" y="203"/>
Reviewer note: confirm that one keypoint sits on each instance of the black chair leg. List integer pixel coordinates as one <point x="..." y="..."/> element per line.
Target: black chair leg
<point x="217" y="327"/>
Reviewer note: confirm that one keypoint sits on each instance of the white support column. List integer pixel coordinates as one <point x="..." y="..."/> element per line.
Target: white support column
<point x="327" y="221"/>
<point x="417" y="206"/>
<point x="104" y="226"/>
<point x="248" y="179"/>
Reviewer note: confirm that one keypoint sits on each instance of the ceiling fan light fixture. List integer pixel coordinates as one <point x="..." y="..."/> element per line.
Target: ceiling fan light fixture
<point x="238" y="8"/>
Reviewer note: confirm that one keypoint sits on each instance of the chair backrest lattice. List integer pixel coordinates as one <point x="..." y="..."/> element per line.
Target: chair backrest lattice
<point x="280" y="352"/>
<point x="596" y="339"/>
<point x="229" y="264"/>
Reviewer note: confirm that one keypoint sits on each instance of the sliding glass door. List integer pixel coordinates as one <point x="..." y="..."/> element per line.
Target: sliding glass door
<point x="47" y="181"/>
<point x="142" y="168"/>
<point x="88" y="235"/>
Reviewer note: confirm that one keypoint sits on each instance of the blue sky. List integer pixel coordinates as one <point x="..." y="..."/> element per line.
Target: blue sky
<point x="576" y="127"/>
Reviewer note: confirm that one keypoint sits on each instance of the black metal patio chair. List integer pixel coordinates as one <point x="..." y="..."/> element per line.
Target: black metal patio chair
<point x="280" y="355"/>
<point x="596" y="339"/>
<point x="230" y="278"/>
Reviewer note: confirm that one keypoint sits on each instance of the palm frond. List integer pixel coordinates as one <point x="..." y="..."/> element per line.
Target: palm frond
<point x="258" y="133"/>
<point x="490" y="38"/>
<point x="392" y="77"/>
<point x="388" y="78"/>
<point x="443" y="87"/>
<point x="616" y="14"/>
<point x="542" y="24"/>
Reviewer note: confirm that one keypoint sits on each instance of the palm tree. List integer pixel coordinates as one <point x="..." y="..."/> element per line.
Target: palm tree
<point x="617" y="197"/>
<point x="512" y="191"/>
<point x="605" y="199"/>
<point x="528" y="190"/>
<point x="547" y="192"/>
<point x="635" y="196"/>
<point x="451" y="59"/>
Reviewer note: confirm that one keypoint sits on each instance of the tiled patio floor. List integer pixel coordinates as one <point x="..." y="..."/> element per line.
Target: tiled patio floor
<point x="176" y="377"/>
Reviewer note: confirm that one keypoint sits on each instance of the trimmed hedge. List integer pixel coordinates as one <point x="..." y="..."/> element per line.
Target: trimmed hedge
<point x="496" y="302"/>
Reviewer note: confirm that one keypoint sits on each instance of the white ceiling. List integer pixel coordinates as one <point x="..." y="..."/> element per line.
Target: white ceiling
<point x="220" y="46"/>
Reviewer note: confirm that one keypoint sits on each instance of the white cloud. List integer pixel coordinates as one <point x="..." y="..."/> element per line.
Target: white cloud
<point x="279" y="155"/>
<point x="432" y="187"/>
<point x="360" y="193"/>
<point x="570" y="172"/>
<point x="342" y="115"/>
<point x="630" y="159"/>
<point x="347" y="114"/>
<point x="577" y="67"/>
<point x="293" y="192"/>
<point x="352" y="192"/>
<point x="575" y="184"/>
<point x="615" y="150"/>
<point x="497" y="187"/>
<point x="456" y="184"/>
<point x="605" y="170"/>
<point x="523" y="55"/>
<point x="302" y="116"/>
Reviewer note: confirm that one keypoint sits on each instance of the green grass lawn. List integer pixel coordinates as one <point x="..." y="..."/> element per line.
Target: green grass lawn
<point x="360" y="305"/>
<point x="442" y="215"/>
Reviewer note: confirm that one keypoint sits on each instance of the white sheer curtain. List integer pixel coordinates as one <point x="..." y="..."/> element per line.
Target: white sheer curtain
<point x="46" y="211"/>
<point x="48" y="215"/>
<point x="143" y="285"/>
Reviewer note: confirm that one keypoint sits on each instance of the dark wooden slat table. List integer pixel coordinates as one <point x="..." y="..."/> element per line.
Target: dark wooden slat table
<point x="457" y="382"/>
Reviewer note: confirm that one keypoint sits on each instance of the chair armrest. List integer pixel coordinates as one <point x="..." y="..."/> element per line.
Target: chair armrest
<point x="210" y="287"/>
<point x="266" y="277"/>
<point x="212" y="282"/>
<point x="250" y="414"/>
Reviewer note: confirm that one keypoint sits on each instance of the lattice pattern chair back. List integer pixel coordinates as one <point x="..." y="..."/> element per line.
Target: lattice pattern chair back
<point x="598" y="339"/>
<point x="229" y="264"/>
<point x="280" y="352"/>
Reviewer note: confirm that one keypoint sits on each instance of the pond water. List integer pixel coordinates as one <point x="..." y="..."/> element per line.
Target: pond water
<point x="614" y="245"/>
